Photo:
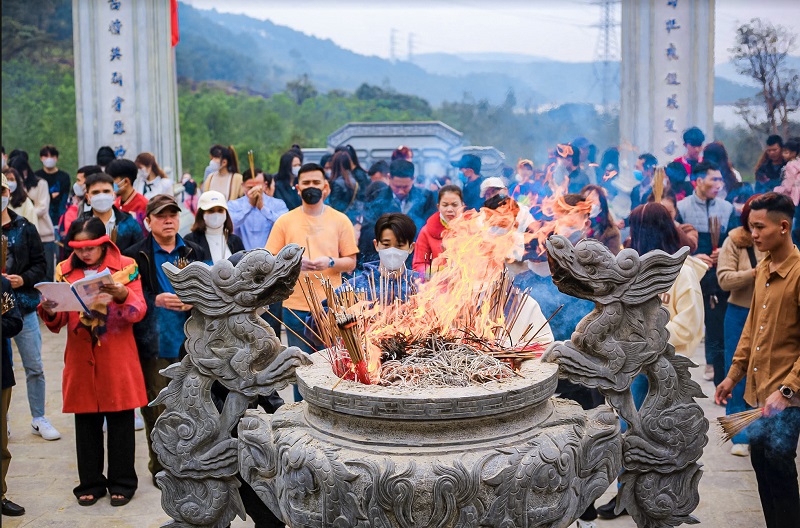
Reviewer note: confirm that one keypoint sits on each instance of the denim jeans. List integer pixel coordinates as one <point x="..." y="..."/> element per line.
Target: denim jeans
<point x="295" y="326"/>
<point x="29" y="344"/>
<point x="735" y="317"/>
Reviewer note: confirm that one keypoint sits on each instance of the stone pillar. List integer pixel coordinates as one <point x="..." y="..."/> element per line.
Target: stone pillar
<point x="125" y="80"/>
<point x="667" y="76"/>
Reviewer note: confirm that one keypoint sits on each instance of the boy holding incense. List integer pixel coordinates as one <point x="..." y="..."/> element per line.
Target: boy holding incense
<point x="769" y="354"/>
<point x="710" y="215"/>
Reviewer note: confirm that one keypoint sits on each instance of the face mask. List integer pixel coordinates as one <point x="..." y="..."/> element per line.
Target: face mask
<point x="116" y="188"/>
<point x="518" y="178"/>
<point x="213" y="165"/>
<point x="497" y="230"/>
<point x="328" y="174"/>
<point x="12" y="186"/>
<point x="393" y="259"/>
<point x="77" y="188"/>
<point x="49" y="163"/>
<point x="462" y="176"/>
<point x="638" y="175"/>
<point x="215" y="220"/>
<point x="595" y="211"/>
<point x="142" y="173"/>
<point x="5" y="202"/>
<point x="311" y="195"/>
<point x="102" y="202"/>
<point x="295" y="171"/>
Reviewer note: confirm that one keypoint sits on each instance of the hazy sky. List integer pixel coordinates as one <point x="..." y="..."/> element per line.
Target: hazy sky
<point x="558" y="29"/>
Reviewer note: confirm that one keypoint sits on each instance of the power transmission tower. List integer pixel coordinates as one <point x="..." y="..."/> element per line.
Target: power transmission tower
<point x="410" y="47"/>
<point x="393" y="45"/>
<point x="606" y="53"/>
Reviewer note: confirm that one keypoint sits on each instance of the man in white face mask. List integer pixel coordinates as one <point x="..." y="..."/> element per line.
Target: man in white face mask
<point x="57" y="180"/>
<point x="123" y="229"/>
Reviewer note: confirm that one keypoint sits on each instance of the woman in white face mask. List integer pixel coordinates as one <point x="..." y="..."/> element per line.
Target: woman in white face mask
<point x="151" y="179"/>
<point x="18" y="200"/>
<point x="213" y="228"/>
<point x="225" y="177"/>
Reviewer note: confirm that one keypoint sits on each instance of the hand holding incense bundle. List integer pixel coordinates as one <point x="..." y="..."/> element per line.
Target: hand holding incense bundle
<point x="734" y="424"/>
<point x="7" y="303"/>
<point x="251" y="161"/>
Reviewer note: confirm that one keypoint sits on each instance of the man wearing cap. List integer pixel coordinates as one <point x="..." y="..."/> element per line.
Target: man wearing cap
<point x="470" y="173"/>
<point x="401" y="196"/>
<point x="121" y="227"/>
<point x="159" y="336"/>
<point x="693" y="140"/>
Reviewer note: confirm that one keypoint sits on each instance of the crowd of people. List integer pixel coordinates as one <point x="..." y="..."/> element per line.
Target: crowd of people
<point x="124" y="216"/>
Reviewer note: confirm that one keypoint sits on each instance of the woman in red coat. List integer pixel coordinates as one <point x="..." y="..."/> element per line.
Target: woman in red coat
<point x="429" y="239"/>
<point x="102" y="377"/>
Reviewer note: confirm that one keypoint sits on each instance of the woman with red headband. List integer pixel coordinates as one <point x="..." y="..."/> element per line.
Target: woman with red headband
<point x="102" y="378"/>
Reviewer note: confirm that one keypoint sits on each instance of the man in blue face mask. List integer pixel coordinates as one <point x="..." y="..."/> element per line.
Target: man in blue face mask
<point x="470" y="174"/>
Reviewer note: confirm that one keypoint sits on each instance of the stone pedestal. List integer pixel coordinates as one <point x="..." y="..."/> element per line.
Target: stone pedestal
<point x="667" y="76"/>
<point x="125" y="80"/>
<point x="490" y="455"/>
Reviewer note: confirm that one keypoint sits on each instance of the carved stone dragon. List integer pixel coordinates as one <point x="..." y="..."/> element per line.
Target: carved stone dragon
<point x="623" y="336"/>
<point x="227" y="342"/>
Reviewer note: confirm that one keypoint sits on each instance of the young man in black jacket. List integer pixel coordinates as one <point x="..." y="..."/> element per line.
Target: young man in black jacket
<point x="123" y="229"/>
<point x="159" y="336"/>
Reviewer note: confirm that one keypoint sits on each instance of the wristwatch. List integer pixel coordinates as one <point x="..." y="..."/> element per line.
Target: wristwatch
<point x="330" y="262"/>
<point x="786" y="391"/>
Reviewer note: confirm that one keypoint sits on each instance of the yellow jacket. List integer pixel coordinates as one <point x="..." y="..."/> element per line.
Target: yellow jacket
<point x="684" y="301"/>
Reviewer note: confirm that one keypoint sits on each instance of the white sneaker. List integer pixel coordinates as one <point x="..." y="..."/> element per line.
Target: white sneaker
<point x="708" y="375"/>
<point x="741" y="450"/>
<point x="138" y="423"/>
<point x="40" y="426"/>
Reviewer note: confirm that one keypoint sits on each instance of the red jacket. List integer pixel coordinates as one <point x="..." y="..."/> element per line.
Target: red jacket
<point x="429" y="244"/>
<point x="106" y="377"/>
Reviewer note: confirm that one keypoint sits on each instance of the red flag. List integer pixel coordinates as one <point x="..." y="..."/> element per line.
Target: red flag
<point x="174" y="12"/>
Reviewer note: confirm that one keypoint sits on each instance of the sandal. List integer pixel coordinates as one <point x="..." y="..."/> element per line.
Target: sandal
<point x="119" y="500"/>
<point x="88" y="501"/>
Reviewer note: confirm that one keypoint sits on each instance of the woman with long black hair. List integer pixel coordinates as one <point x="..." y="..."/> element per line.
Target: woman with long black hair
<point x="286" y="178"/>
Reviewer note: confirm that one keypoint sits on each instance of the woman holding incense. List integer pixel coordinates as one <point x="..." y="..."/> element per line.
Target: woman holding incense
<point x="429" y="239"/>
<point x="102" y="378"/>
<point x="736" y="273"/>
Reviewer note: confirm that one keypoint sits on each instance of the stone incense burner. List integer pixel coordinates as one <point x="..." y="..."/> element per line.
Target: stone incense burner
<point x="502" y="454"/>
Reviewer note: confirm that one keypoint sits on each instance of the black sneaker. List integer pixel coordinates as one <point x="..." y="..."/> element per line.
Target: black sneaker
<point x="606" y="511"/>
<point x="12" y="509"/>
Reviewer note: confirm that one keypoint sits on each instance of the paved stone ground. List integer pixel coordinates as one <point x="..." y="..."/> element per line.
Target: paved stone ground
<point x="42" y="473"/>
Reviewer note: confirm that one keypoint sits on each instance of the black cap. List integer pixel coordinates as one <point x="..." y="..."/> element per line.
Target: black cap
<point x="468" y="161"/>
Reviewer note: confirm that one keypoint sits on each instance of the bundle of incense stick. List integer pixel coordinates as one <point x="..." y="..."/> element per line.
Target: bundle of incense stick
<point x="658" y="184"/>
<point x="714" y="230"/>
<point x="251" y="161"/>
<point x="349" y="331"/>
<point x="7" y="303"/>
<point x="4" y="254"/>
<point x="734" y="424"/>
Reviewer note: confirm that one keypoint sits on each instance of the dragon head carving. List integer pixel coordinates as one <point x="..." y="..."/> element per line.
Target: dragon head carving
<point x="590" y="271"/>
<point x="242" y="283"/>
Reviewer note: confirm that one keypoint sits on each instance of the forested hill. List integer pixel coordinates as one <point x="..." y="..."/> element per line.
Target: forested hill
<point x="263" y="57"/>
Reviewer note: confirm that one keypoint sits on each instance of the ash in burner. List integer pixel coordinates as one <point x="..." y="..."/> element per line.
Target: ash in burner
<point x="438" y="362"/>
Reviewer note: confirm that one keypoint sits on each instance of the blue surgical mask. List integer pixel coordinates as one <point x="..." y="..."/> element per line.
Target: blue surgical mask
<point x="116" y="188"/>
<point x="638" y="175"/>
<point x="462" y="176"/>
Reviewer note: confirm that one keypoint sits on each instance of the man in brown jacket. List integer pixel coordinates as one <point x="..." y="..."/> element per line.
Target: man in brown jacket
<point x="769" y="353"/>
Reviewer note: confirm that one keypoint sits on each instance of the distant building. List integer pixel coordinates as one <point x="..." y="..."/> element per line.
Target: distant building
<point x="434" y="144"/>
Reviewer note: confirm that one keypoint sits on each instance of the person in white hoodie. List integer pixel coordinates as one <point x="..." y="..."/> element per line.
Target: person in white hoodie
<point x="652" y="228"/>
